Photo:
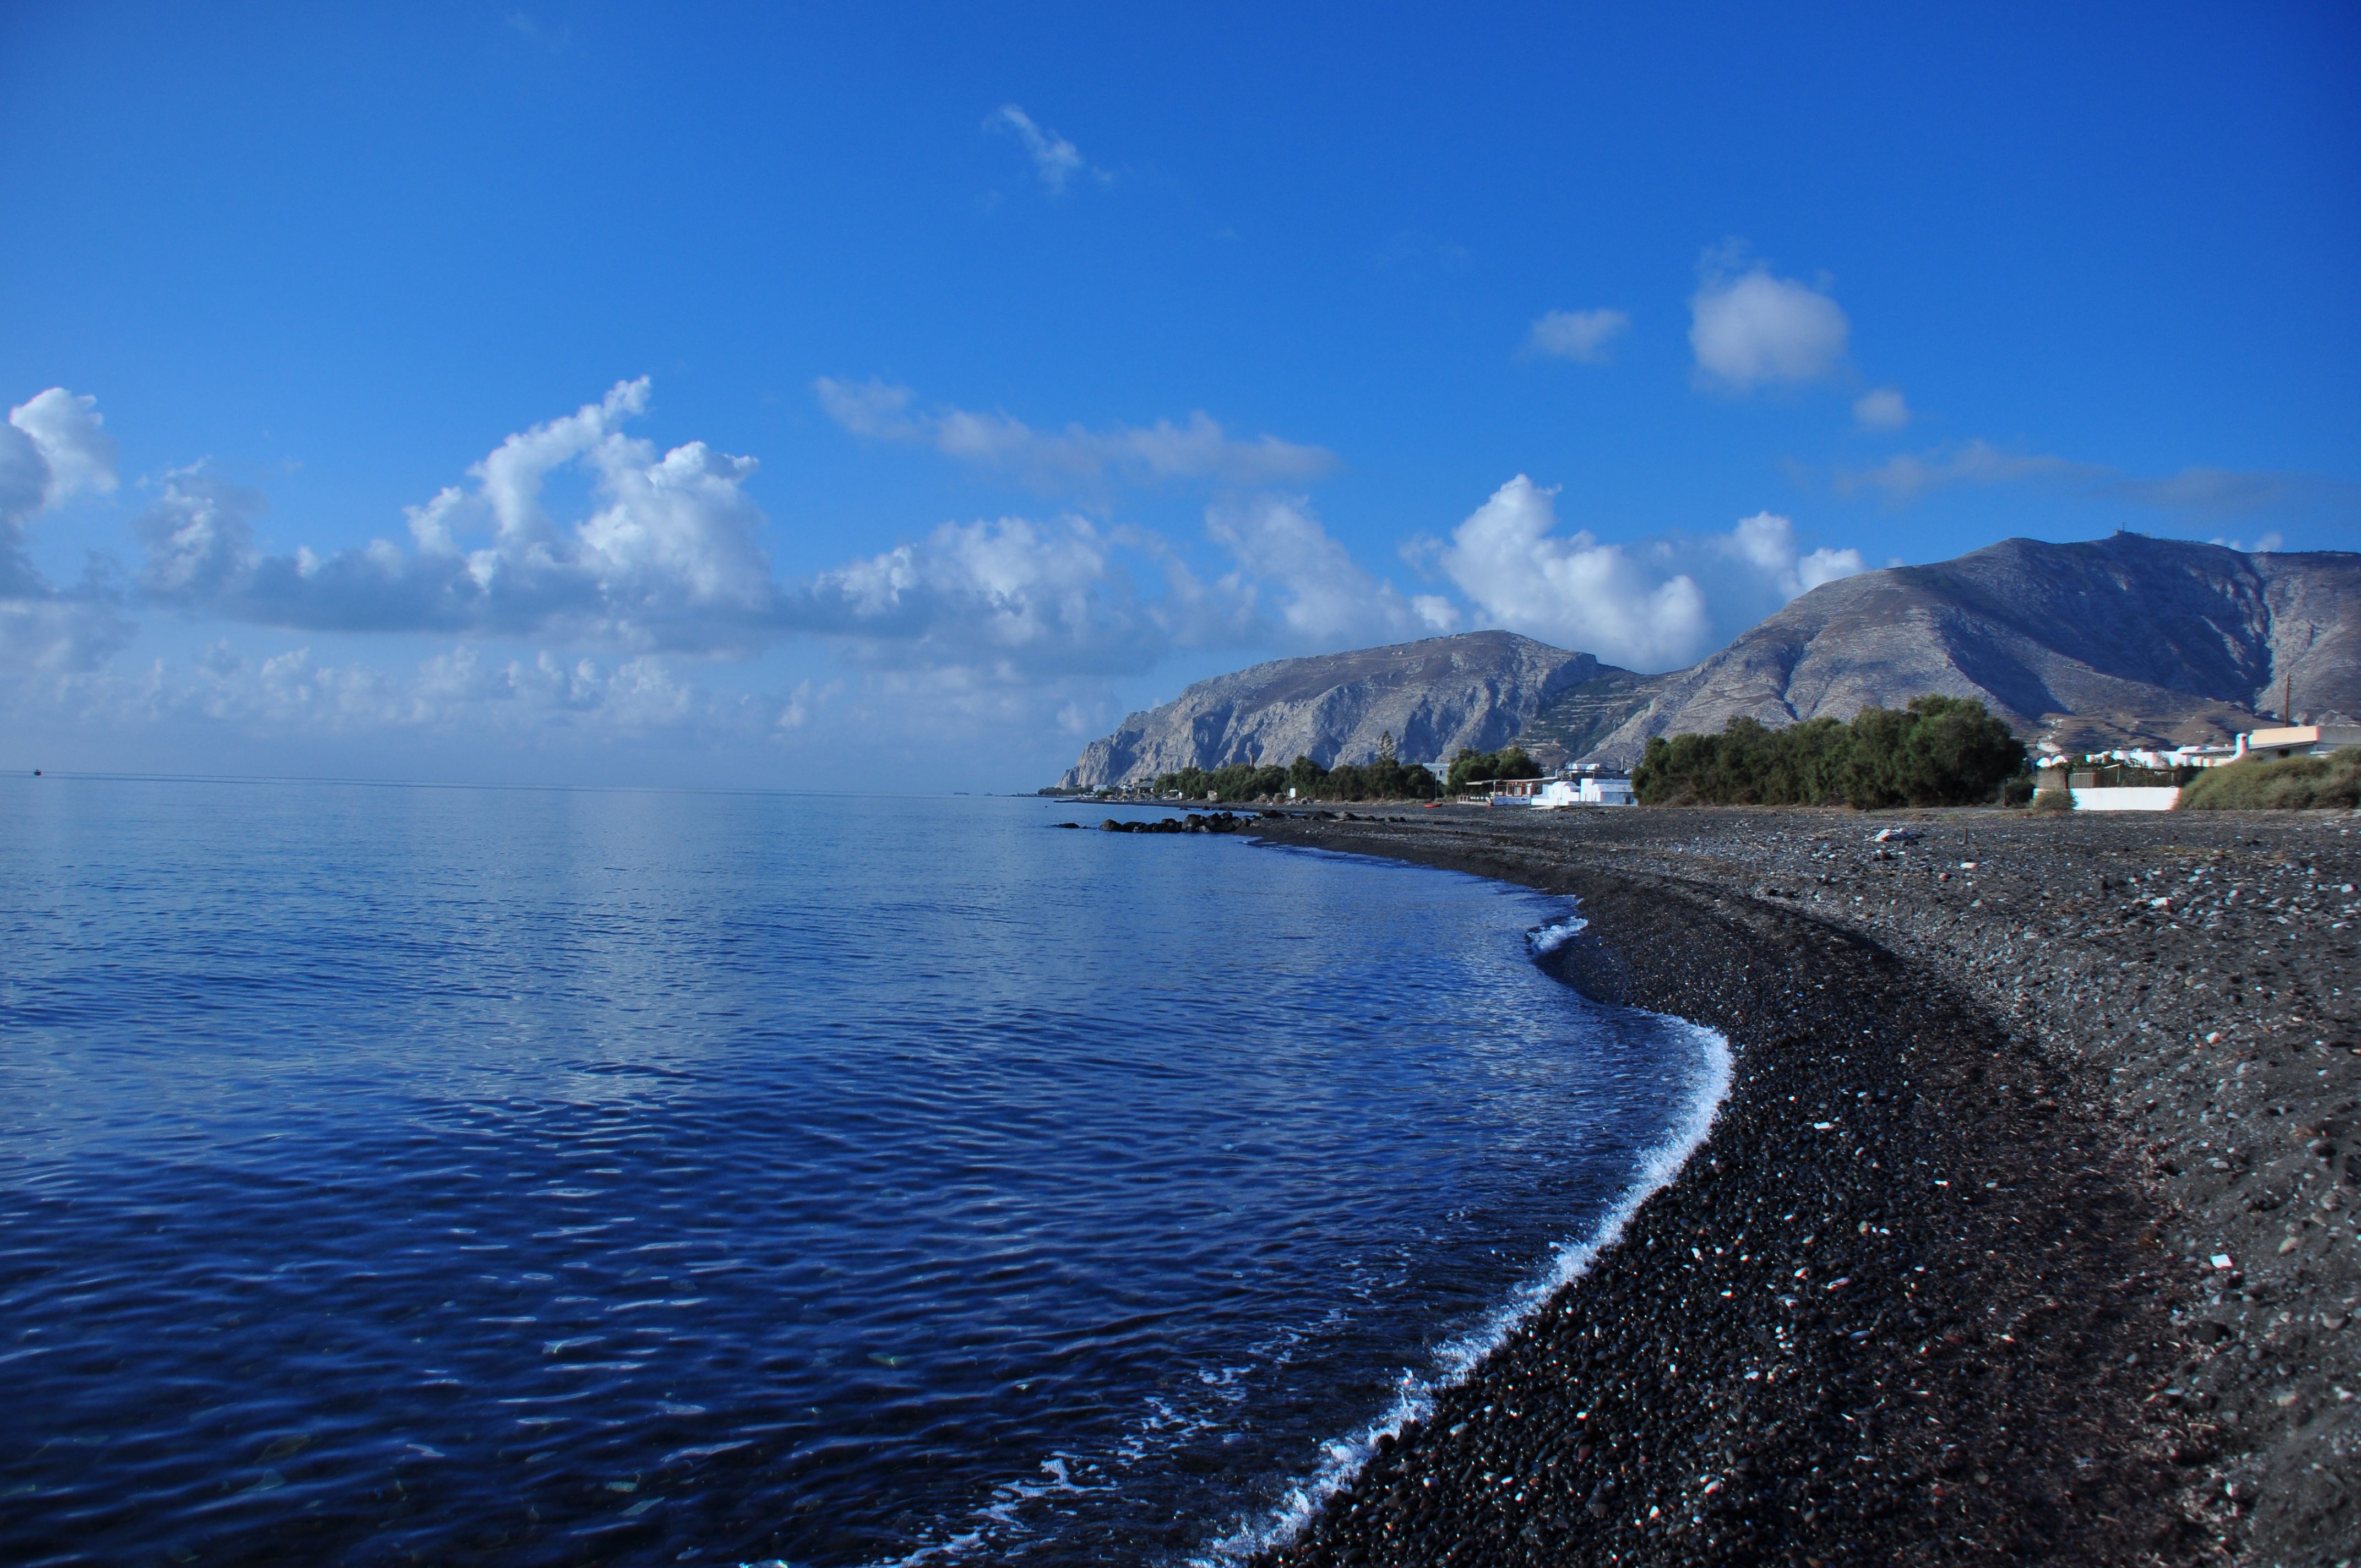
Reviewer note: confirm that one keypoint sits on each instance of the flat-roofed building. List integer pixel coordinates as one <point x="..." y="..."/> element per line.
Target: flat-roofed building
<point x="2303" y="740"/>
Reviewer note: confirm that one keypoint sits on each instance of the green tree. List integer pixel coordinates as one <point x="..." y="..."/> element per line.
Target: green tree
<point x="1470" y="767"/>
<point x="1939" y="751"/>
<point x="1956" y="754"/>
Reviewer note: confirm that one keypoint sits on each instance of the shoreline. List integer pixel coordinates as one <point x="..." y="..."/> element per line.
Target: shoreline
<point x="1907" y="1298"/>
<point x="1457" y="1358"/>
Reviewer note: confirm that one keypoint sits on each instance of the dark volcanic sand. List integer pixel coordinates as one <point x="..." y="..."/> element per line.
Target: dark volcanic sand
<point x="1938" y="1287"/>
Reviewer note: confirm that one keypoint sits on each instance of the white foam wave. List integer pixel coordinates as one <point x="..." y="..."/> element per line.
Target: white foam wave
<point x="1556" y="934"/>
<point x="1343" y="1458"/>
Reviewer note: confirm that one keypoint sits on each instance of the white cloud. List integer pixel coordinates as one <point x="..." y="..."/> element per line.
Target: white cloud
<point x="1198" y="449"/>
<point x="1320" y="596"/>
<point x="1766" y="543"/>
<point x="1570" y="590"/>
<point x="1748" y="327"/>
<point x="587" y="620"/>
<point x="198" y="536"/>
<point x="1055" y="160"/>
<point x="1012" y="595"/>
<point x="1882" y="408"/>
<point x="68" y="432"/>
<point x="53" y="448"/>
<point x="1016" y="598"/>
<point x="1651" y="605"/>
<point x="668" y="559"/>
<point x="1578" y="334"/>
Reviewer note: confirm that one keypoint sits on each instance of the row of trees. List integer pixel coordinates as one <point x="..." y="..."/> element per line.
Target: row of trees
<point x="1385" y="778"/>
<point x="1472" y="767"/>
<point x="1939" y="751"/>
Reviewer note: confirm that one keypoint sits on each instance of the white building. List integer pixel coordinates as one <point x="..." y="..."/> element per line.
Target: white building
<point x="1588" y="787"/>
<point x="2299" y="740"/>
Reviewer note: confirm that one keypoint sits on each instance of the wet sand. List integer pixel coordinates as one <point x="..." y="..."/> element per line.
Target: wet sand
<point x="1941" y="1286"/>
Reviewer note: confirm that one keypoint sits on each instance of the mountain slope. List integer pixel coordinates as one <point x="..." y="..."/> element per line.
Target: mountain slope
<point x="1475" y="689"/>
<point x="2126" y="639"/>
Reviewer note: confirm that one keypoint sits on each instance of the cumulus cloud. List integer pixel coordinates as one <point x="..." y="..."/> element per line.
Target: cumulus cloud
<point x="1293" y="574"/>
<point x="68" y="434"/>
<point x="1766" y="543"/>
<point x="1652" y="605"/>
<point x="668" y="559"/>
<point x="1580" y="335"/>
<point x="1570" y="590"/>
<point x="1197" y="449"/>
<point x="1882" y="408"/>
<point x="1750" y="328"/>
<point x="1055" y="160"/>
<point x="1011" y="595"/>
<point x="53" y="448"/>
<point x="1017" y="598"/>
<point x="198" y="536"/>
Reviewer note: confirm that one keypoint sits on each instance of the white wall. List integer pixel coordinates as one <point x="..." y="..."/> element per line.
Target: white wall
<point x="2157" y="798"/>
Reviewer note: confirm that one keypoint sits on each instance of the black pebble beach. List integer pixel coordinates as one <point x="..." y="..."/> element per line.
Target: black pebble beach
<point x="2025" y="1234"/>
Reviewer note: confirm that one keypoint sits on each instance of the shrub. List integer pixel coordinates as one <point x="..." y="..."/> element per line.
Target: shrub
<point x="1939" y="751"/>
<point x="2289" y="784"/>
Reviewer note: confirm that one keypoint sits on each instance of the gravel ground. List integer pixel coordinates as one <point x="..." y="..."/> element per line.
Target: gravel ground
<point x="2026" y="1234"/>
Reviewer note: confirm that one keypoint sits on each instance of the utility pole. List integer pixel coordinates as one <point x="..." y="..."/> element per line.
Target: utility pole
<point x="2286" y="699"/>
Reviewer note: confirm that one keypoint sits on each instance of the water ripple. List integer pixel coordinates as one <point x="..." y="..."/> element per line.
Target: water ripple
<point x="547" y="1178"/>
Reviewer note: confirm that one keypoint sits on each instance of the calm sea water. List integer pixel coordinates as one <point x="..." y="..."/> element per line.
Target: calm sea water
<point x="398" y="1175"/>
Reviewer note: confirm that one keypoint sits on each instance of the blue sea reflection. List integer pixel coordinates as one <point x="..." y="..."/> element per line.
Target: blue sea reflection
<point x="400" y="1174"/>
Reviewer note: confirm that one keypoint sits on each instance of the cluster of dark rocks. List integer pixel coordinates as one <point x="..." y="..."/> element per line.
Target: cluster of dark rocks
<point x="2025" y="1232"/>
<point x="1195" y="822"/>
<point x="1227" y="821"/>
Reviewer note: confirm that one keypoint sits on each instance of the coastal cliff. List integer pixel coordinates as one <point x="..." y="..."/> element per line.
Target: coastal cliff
<point x="1478" y="689"/>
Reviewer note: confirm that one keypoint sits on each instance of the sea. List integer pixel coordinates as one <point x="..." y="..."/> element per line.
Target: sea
<point x="394" y="1174"/>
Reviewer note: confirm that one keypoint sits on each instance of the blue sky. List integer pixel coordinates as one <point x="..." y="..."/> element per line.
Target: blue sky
<point x="769" y="396"/>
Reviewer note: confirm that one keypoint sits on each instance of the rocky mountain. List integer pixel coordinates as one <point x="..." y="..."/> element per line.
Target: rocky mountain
<point x="1476" y="689"/>
<point x="2126" y="639"/>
